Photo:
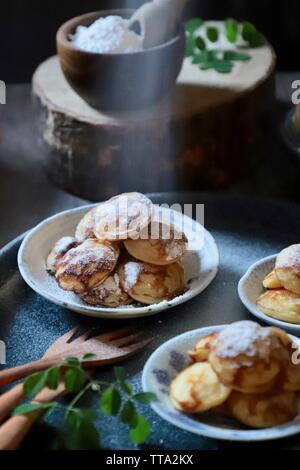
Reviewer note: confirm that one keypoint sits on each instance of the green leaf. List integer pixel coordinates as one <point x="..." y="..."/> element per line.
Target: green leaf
<point x="119" y="373"/>
<point x="35" y="383"/>
<point x="140" y="432"/>
<point x="192" y="25"/>
<point x="231" y="29"/>
<point x="252" y="36"/>
<point x="200" y="43"/>
<point x="86" y="436"/>
<point x="190" y="46"/>
<point x="27" y="408"/>
<point x="53" y="378"/>
<point x="110" y="401"/>
<point x="72" y="361"/>
<point x="205" y="56"/>
<point x="127" y="388"/>
<point x="212" y="33"/>
<point x="74" y="380"/>
<point x="128" y="412"/>
<point x="235" y="55"/>
<point x="223" y="66"/>
<point x="88" y="356"/>
<point x="145" y="397"/>
<point x="76" y="416"/>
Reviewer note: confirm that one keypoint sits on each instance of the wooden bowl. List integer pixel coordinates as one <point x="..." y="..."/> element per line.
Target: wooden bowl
<point x="119" y="81"/>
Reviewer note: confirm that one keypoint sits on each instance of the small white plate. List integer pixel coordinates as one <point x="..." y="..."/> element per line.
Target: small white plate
<point x="200" y="263"/>
<point x="250" y="288"/>
<point x="163" y="366"/>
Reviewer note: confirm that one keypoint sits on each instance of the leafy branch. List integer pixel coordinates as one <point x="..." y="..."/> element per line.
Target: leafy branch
<point x="217" y="59"/>
<point x="116" y="398"/>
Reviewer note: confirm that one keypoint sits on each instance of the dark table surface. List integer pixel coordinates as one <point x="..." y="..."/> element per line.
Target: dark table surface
<point x="247" y="230"/>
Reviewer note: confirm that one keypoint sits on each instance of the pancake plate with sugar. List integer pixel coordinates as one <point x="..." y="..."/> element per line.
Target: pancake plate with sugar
<point x="86" y="266"/>
<point x="150" y="284"/>
<point x="242" y="357"/>
<point x="287" y="268"/>
<point x="281" y="304"/>
<point x="123" y="216"/>
<point x="198" y="389"/>
<point x="108" y="294"/>
<point x="159" y="244"/>
<point x="58" y="251"/>
<point x="263" y="411"/>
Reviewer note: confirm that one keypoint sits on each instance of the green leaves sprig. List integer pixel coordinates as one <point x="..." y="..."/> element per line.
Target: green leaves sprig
<point x="117" y="398"/>
<point x="219" y="60"/>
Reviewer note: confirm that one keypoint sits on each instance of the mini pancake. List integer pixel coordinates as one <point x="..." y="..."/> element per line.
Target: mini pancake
<point x="85" y="228"/>
<point x="271" y="281"/>
<point x="280" y="304"/>
<point x="158" y="244"/>
<point x="242" y="357"/>
<point x="202" y="349"/>
<point x="197" y="389"/>
<point x="287" y="268"/>
<point x="122" y="217"/>
<point x="86" y="266"/>
<point x="58" y="251"/>
<point x="263" y="411"/>
<point x="150" y="284"/>
<point x="107" y="294"/>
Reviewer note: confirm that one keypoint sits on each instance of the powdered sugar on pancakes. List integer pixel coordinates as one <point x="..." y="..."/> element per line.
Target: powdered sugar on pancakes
<point x="245" y="338"/>
<point x="131" y="272"/>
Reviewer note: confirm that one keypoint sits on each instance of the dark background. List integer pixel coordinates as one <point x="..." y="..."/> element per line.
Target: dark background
<point x="27" y="27"/>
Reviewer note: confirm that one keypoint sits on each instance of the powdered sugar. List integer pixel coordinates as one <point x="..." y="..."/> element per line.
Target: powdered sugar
<point x="108" y="35"/>
<point x="244" y="337"/>
<point x="132" y="272"/>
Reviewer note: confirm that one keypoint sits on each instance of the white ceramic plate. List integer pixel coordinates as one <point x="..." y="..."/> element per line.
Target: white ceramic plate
<point x="200" y="263"/>
<point x="163" y="366"/>
<point x="250" y="288"/>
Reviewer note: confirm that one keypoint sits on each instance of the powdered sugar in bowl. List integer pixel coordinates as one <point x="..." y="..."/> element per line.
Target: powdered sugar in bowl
<point x="106" y="65"/>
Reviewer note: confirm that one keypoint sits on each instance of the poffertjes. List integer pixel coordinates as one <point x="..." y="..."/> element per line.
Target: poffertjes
<point x="202" y="349"/>
<point x="151" y="284"/>
<point x="107" y="294"/>
<point x="280" y="304"/>
<point x="198" y="389"/>
<point x="122" y="217"/>
<point x="242" y="359"/>
<point x="86" y="266"/>
<point x="158" y="244"/>
<point x="86" y="227"/>
<point x="263" y="411"/>
<point x="58" y="251"/>
<point x="271" y="281"/>
<point x="287" y="268"/>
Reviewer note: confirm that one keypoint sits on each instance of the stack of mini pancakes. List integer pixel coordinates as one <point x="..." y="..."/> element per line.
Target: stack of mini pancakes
<point x="282" y="299"/>
<point x="122" y="252"/>
<point x="245" y="372"/>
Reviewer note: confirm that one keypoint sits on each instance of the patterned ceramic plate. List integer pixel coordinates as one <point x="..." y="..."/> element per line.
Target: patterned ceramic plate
<point x="250" y="288"/>
<point x="162" y="367"/>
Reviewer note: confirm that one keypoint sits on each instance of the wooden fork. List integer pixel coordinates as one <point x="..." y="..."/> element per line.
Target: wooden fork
<point x="107" y="348"/>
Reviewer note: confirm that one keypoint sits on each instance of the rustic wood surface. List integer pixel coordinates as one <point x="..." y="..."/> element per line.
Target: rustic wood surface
<point x="27" y="196"/>
<point x="204" y="135"/>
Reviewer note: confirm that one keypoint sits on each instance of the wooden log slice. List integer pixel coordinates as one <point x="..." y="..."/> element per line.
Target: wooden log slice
<point x="203" y="136"/>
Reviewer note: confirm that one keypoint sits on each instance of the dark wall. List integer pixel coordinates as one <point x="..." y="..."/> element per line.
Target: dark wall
<point x="27" y="28"/>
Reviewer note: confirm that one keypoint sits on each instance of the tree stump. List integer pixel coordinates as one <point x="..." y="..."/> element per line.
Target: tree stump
<point x="203" y="136"/>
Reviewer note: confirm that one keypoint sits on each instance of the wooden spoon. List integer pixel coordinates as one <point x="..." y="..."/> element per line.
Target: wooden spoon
<point x="158" y="20"/>
<point x="107" y="348"/>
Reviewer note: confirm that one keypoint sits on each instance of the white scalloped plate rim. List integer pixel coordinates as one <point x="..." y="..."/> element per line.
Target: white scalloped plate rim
<point x="37" y="281"/>
<point x="265" y="265"/>
<point x="164" y="408"/>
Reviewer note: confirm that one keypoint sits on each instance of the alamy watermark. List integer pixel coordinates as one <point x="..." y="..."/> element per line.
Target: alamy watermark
<point x="2" y="353"/>
<point x="2" y="92"/>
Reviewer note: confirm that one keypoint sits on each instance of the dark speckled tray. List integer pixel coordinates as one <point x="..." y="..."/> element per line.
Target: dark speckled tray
<point x="245" y="230"/>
